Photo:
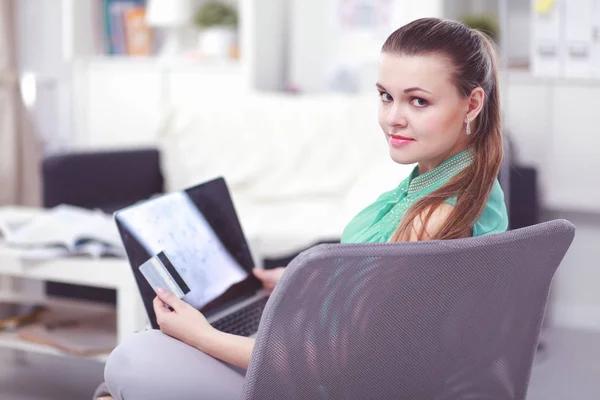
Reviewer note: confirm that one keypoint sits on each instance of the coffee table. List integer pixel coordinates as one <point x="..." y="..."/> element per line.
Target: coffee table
<point x="18" y="277"/>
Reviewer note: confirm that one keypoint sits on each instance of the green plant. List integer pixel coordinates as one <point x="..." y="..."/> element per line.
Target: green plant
<point x="215" y="13"/>
<point x="484" y="23"/>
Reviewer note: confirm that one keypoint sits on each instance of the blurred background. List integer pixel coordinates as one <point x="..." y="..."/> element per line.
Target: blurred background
<point x="107" y="102"/>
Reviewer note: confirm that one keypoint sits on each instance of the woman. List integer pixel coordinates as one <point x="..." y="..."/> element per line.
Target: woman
<point x="439" y="108"/>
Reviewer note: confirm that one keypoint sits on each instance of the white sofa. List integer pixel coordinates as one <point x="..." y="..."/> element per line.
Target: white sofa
<point x="298" y="167"/>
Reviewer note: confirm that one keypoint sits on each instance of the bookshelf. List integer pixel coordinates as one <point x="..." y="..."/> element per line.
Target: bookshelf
<point x="88" y="99"/>
<point x="118" y="101"/>
<point x="259" y="44"/>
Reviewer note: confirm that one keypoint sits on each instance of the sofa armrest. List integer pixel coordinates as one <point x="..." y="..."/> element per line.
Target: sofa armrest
<point x="106" y="180"/>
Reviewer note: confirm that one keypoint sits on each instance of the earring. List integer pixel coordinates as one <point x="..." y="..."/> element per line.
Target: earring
<point x="468" y="126"/>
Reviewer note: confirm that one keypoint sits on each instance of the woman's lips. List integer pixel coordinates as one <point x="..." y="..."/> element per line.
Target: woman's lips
<point x="400" y="141"/>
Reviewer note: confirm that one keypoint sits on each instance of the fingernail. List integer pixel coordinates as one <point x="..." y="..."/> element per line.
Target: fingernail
<point x="160" y="290"/>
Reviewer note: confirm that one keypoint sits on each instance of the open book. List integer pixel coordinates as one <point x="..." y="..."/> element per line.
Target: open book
<point x="62" y="231"/>
<point x="14" y="217"/>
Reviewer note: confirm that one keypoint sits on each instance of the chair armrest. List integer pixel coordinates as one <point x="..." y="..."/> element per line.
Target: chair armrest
<point x="106" y="180"/>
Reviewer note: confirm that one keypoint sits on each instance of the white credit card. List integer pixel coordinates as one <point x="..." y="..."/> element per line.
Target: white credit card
<point x="159" y="271"/>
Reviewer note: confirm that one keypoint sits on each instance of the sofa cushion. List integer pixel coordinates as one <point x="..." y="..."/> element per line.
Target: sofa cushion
<point x="272" y="146"/>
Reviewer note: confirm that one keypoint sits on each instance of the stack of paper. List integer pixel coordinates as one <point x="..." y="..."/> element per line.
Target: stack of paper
<point x="62" y="231"/>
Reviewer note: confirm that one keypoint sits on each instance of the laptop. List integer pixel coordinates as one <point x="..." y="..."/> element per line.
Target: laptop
<point x="199" y="230"/>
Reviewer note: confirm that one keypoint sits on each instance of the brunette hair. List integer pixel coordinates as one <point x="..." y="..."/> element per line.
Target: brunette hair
<point x="473" y="57"/>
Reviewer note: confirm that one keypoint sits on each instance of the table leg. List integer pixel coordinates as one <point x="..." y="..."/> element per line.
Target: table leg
<point x="10" y="285"/>
<point x="131" y="315"/>
<point x="7" y="284"/>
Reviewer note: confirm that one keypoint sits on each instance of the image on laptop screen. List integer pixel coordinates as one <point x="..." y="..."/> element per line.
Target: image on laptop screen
<point x="172" y="223"/>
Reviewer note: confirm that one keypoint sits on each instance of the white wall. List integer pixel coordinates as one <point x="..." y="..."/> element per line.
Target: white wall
<point x="408" y="10"/>
<point x="455" y="9"/>
<point x="40" y="56"/>
<point x="554" y="125"/>
<point x="554" y="122"/>
<point x="518" y="34"/>
<point x="312" y="42"/>
<point x="263" y="34"/>
<point x="318" y="46"/>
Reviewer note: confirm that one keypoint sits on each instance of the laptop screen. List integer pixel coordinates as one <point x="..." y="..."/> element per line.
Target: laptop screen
<point x="199" y="231"/>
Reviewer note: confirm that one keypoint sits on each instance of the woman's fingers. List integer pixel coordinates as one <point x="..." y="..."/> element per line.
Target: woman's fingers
<point x="159" y="306"/>
<point x="169" y="298"/>
<point x="269" y="277"/>
<point x="266" y="276"/>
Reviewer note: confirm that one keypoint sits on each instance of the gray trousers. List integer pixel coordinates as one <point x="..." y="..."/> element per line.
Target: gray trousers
<point x="151" y="365"/>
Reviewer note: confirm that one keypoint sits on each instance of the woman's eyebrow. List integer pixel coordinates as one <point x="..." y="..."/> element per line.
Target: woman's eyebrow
<point x="409" y="90"/>
<point x="416" y="89"/>
<point x="380" y="86"/>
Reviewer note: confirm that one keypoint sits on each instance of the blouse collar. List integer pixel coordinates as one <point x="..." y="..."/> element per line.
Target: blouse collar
<point x="441" y="173"/>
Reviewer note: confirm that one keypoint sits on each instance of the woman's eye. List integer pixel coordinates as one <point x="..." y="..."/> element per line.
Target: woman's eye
<point x="419" y="102"/>
<point x="385" y="97"/>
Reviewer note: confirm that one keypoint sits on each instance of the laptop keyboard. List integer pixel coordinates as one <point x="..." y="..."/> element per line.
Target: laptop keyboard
<point x="244" y="321"/>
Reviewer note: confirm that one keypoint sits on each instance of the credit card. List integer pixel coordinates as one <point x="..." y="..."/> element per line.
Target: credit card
<point x="159" y="271"/>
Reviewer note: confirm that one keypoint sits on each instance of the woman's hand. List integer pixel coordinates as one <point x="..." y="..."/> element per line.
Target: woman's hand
<point x="187" y="324"/>
<point x="269" y="277"/>
<point x="184" y="322"/>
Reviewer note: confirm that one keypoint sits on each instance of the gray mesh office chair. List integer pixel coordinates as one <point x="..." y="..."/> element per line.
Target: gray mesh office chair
<point x="434" y="320"/>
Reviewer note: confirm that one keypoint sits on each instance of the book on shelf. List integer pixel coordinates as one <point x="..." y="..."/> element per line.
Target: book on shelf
<point x="138" y="35"/>
<point x="64" y="231"/>
<point x="124" y="27"/>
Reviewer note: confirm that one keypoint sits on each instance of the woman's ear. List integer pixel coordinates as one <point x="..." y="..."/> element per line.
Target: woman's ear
<point x="475" y="103"/>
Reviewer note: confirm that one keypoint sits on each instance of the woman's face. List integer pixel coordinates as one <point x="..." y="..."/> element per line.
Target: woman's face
<point x="421" y="112"/>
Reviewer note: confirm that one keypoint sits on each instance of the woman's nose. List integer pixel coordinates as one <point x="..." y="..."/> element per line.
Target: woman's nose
<point x="396" y="117"/>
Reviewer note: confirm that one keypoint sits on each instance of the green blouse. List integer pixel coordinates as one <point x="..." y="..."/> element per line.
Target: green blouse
<point x="377" y="222"/>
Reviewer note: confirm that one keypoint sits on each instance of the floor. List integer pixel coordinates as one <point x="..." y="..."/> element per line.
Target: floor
<point x="35" y="377"/>
<point x="569" y="369"/>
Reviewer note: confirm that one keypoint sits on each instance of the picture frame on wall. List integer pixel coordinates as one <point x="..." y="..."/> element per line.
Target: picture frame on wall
<point x="372" y="16"/>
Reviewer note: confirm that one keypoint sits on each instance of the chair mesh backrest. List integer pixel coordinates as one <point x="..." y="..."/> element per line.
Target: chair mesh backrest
<point x="430" y="320"/>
